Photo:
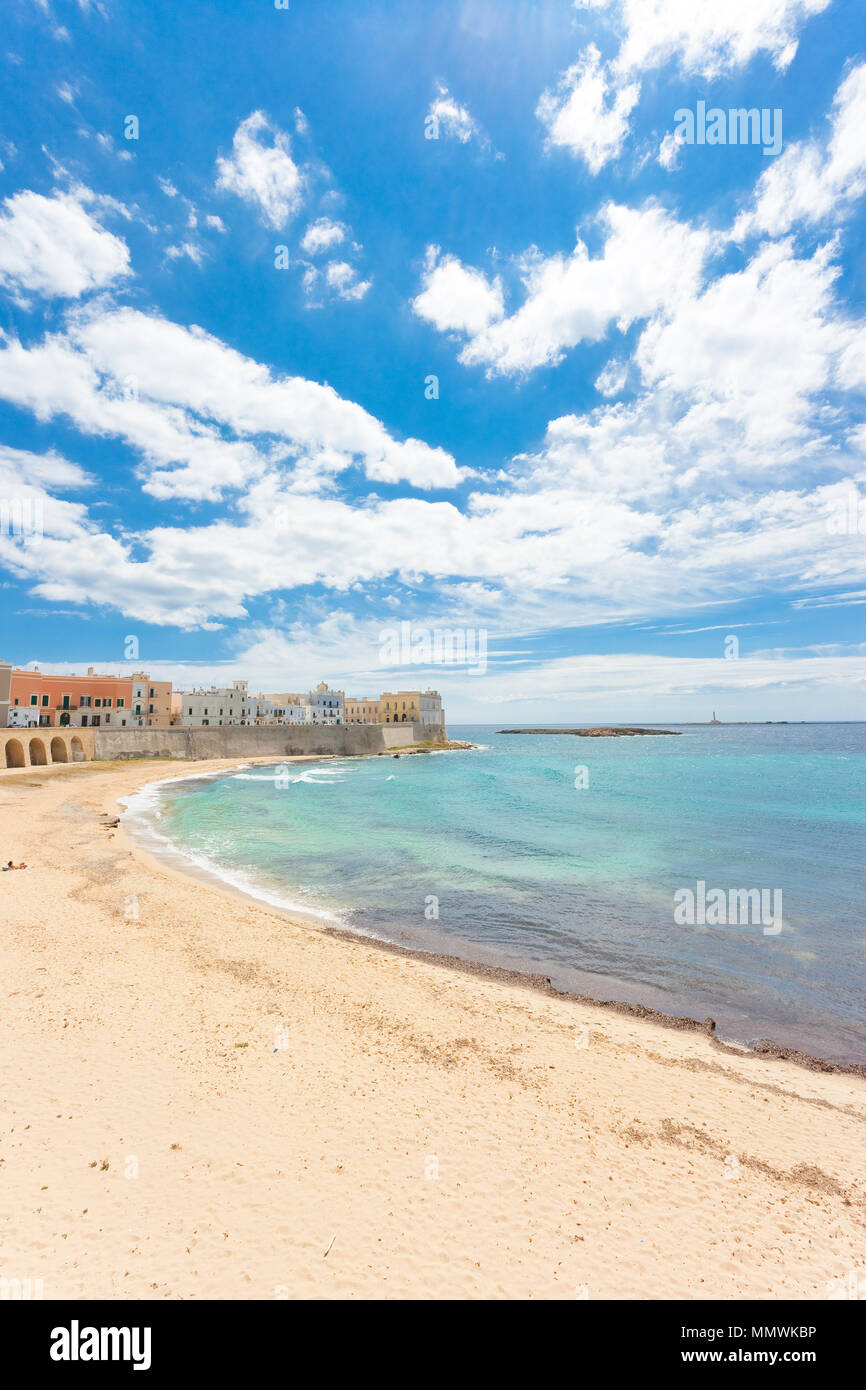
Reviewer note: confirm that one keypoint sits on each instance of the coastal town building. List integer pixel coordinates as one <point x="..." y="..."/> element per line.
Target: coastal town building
<point x="5" y="683"/>
<point x="29" y="698"/>
<point x="319" y="706"/>
<point x="151" y="702"/>
<point x="198" y="709"/>
<point x="260" y="710"/>
<point x="90" y="701"/>
<point x="412" y="706"/>
<point x="360" y="709"/>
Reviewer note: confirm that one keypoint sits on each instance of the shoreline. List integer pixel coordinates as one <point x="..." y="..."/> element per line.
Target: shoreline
<point x="328" y="922"/>
<point x="207" y="1099"/>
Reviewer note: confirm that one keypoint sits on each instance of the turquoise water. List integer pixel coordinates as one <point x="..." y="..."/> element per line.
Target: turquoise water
<point x="528" y="871"/>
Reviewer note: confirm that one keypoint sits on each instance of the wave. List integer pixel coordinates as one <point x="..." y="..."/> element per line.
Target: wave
<point x="141" y="807"/>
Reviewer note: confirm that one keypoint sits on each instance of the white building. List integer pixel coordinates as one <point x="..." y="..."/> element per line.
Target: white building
<point x="260" y="710"/>
<point x="319" y="706"/>
<point x="22" y="717"/>
<point x="431" y="708"/>
<point x="218" y="705"/>
<point x="326" y="705"/>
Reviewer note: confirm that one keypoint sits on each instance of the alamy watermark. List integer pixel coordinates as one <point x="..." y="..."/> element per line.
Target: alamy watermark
<point x="738" y="907"/>
<point x="847" y="517"/>
<point x="737" y="126"/>
<point x="410" y="645"/>
<point x="22" y="518"/>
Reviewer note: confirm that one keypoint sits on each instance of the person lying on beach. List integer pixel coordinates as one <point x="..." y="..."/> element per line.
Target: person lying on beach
<point x="10" y="865"/>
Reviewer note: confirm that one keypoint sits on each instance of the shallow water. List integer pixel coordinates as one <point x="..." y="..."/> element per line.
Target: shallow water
<point x="497" y="856"/>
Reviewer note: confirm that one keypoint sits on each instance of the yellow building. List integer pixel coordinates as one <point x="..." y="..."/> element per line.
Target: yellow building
<point x="412" y="707"/>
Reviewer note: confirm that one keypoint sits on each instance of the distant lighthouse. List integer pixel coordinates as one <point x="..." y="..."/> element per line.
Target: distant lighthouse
<point x="714" y="720"/>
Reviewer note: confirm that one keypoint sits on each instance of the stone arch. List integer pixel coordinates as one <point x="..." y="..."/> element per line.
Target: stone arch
<point x="59" y="752"/>
<point x="77" y="749"/>
<point x="15" y="753"/>
<point x="38" y="756"/>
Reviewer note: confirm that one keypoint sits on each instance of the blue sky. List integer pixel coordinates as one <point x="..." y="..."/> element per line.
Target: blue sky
<point x="222" y="319"/>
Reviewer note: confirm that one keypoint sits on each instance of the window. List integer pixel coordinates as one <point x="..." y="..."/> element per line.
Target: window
<point x="138" y="709"/>
<point x="189" y="711"/>
<point x="34" y="699"/>
<point x="45" y="701"/>
<point x="85" y="702"/>
<point x="96" y="704"/>
<point x="107" y="704"/>
<point x="151" y="693"/>
<point x="150" y="709"/>
<point x="84" y="721"/>
<point x="16" y="699"/>
<point x="120" y="705"/>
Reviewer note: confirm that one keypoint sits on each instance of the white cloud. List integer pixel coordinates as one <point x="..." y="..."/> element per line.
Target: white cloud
<point x="669" y="151"/>
<point x="753" y="350"/>
<point x="456" y="297"/>
<point x="263" y="175"/>
<point x="171" y="392"/>
<point x="186" y="249"/>
<point x="321" y="235"/>
<point x="706" y="39"/>
<point x="648" y="260"/>
<point x="612" y="378"/>
<point x="447" y="117"/>
<point x="53" y="246"/>
<point x="813" y="181"/>
<point x="588" y="111"/>
<point x="342" y="279"/>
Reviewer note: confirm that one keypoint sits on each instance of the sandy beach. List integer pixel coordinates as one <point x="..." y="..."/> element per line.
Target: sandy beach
<point x="204" y="1099"/>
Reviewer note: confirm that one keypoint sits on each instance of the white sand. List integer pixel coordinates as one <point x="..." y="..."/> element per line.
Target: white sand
<point x="439" y="1135"/>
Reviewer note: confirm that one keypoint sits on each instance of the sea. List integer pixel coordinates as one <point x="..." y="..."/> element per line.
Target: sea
<point x="714" y="873"/>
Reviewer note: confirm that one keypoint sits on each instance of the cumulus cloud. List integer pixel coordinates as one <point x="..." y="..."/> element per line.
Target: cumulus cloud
<point x="754" y="349"/>
<point x="669" y="151"/>
<point x="648" y="260"/>
<point x="815" y="181"/>
<point x="344" y="281"/>
<point x="706" y="40"/>
<point x="448" y="117"/>
<point x="718" y="477"/>
<point x="186" y="249"/>
<point x="203" y="417"/>
<point x="264" y="175"/>
<point x="54" y="246"/>
<point x="587" y="112"/>
<point x="321" y="235"/>
<point x="456" y="297"/>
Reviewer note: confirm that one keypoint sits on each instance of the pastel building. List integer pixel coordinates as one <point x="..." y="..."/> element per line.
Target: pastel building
<point x="159" y="704"/>
<point x="37" y="700"/>
<point x="411" y="707"/>
<point x="360" y="709"/>
<point x="5" y="684"/>
<point x="218" y="705"/>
